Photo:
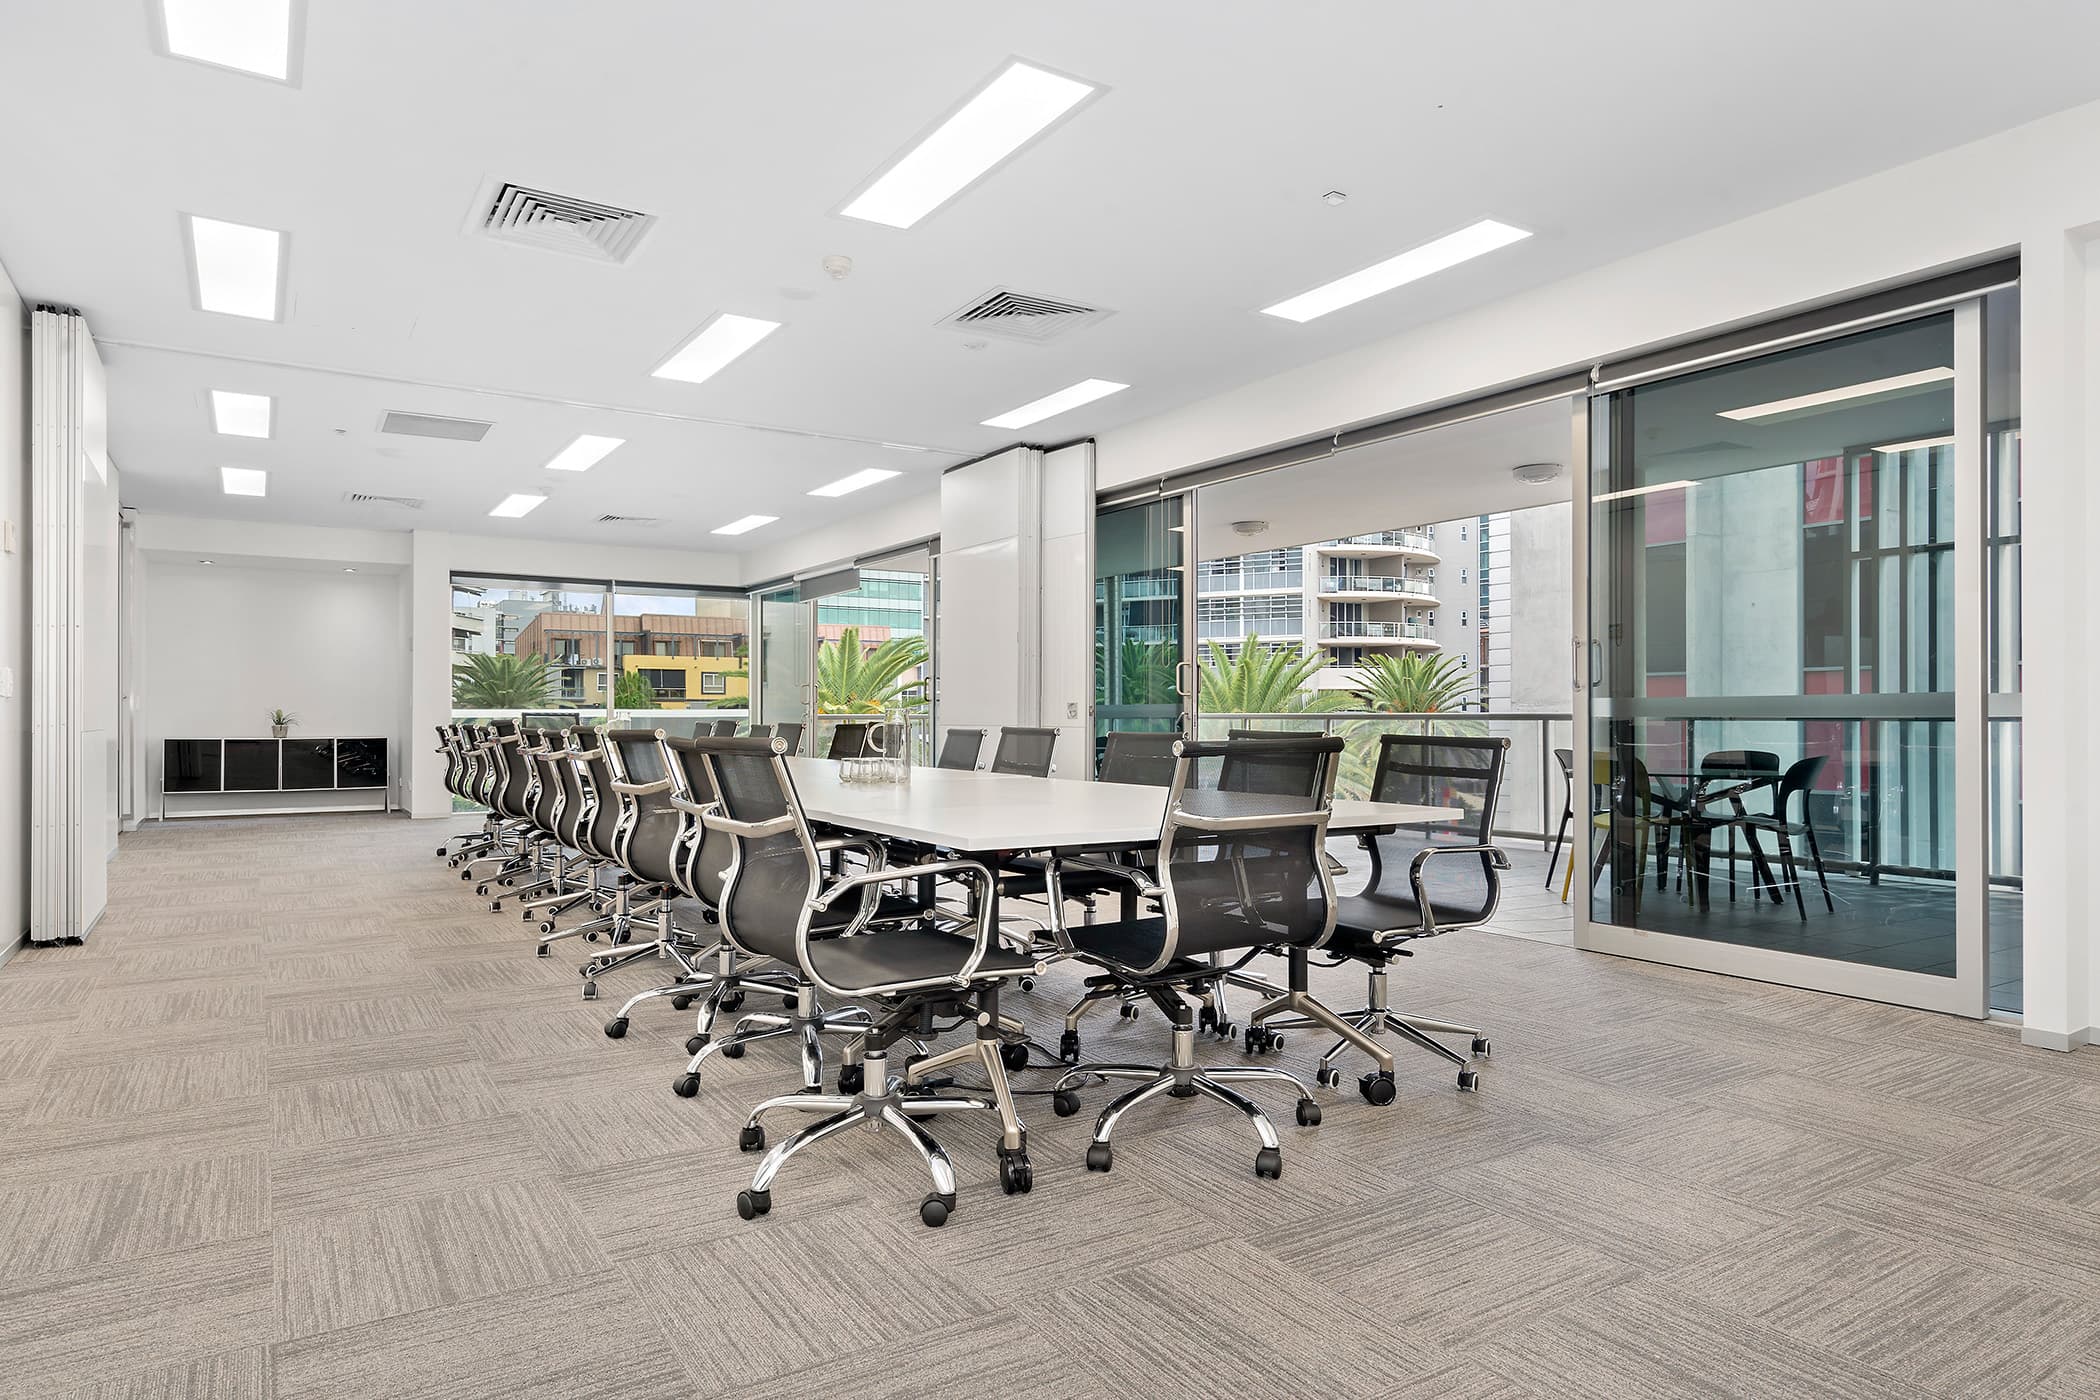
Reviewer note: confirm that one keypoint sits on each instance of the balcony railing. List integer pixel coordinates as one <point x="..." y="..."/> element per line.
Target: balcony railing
<point x="1252" y="581"/>
<point x="1397" y="539"/>
<point x="1377" y="583"/>
<point x="1375" y="631"/>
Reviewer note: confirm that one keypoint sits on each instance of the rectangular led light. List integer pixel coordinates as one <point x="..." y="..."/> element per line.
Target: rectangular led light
<point x="584" y="453"/>
<point x="253" y="36"/>
<point x="1063" y="401"/>
<point x="1645" y="490"/>
<point x="1006" y="114"/>
<point x="244" y="481"/>
<point x="846" y="485"/>
<point x="240" y="415"/>
<point x="1916" y="445"/>
<point x="746" y="525"/>
<point x="523" y="503"/>
<point x="1894" y="386"/>
<point x="714" y="346"/>
<point x="235" y="266"/>
<point x="1468" y="243"/>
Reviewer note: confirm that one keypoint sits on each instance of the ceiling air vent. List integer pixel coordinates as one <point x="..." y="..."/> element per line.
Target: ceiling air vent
<point x="362" y="498"/>
<point x="431" y="426"/>
<point x="1022" y="316"/>
<point x="538" y="219"/>
<point x="630" y="520"/>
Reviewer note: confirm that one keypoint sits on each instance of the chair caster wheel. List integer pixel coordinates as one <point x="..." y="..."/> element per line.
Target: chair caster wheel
<point x="694" y="1044"/>
<point x="466" y="875"/>
<point x="1468" y="1082"/>
<point x="540" y="951"/>
<point x="1206" y="1018"/>
<point x="1378" y="1089"/>
<point x="751" y="1139"/>
<point x="1064" y="1103"/>
<point x="482" y="890"/>
<point x="1269" y="1163"/>
<point x="852" y="1078"/>
<point x="1328" y="1078"/>
<point x="1016" y="1176"/>
<point x="442" y="851"/>
<point x="1099" y="1157"/>
<point x="1127" y="1011"/>
<point x="787" y="1003"/>
<point x="1262" y="1041"/>
<point x="1481" y="1047"/>
<point x="686" y="1086"/>
<point x="1225" y="1030"/>
<point x="680" y="1003"/>
<point x="1068" y="1047"/>
<point x="1308" y="1114"/>
<point x="1013" y="1055"/>
<point x="732" y="1051"/>
<point x="590" y="991"/>
<point x="733" y="1001"/>
<point x="615" y="1028"/>
<point x="753" y="1204"/>
<point x="1027" y="984"/>
<point x="546" y="926"/>
<point x="934" y="1210"/>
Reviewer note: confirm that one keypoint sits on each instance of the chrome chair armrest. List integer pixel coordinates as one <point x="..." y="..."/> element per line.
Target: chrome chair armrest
<point x="642" y="789"/>
<point x="969" y="871"/>
<point x="1147" y="888"/>
<point x="1496" y="857"/>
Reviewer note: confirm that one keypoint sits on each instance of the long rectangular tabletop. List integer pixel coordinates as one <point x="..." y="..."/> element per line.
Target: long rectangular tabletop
<point x="961" y="810"/>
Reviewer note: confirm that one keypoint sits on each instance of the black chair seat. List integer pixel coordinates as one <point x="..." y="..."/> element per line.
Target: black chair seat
<point x="1130" y="943"/>
<point x="1360" y="918"/>
<point x="903" y="955"/>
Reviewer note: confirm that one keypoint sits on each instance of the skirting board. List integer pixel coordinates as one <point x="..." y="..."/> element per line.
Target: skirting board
<point x="2057" y="1040"/>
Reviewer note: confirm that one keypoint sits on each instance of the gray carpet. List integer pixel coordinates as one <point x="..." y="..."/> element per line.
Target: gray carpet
<point x="303" y="1119"/>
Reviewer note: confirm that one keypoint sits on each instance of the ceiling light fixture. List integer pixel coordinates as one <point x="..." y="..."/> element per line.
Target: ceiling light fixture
<point x="249" y="36"/>
<point x="1874" y="390"/>
<point x="513" y="506"/>
<point x="1537" y="473"/>
<point x="204" y="561"/>
<point x="1018" y="105"/>
<point x="846" y="485"/>
<point x="713" y="346"/>
<point x="240" y="415"/>
<point x="1916" y="445"/>
<point x="234" y="268"/>
<point x="1645" y="490"/>
<point x="1472" y="241"/>
<point x="349" y="571"/>
<point x="746" y="525"/>
<point x="586" y="452"/>
<point x="244" y="481"/>
<point x="1063" y="401"/>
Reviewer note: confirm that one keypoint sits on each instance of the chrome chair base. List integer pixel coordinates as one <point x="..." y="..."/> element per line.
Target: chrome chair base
<point x="1359" y="1030"/>
<point x="804" y="1020"/>
<point x="887" y="1105"/>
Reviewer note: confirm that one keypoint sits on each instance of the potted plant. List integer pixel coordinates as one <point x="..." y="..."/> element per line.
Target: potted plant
<point x="281" y="723"/>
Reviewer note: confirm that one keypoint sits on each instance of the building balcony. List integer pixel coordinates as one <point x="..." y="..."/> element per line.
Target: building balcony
<point x="1378" y="634"/>
<point x="1411" y="592"/>
<point x="1274" y="581"/>
<point x="1383" y="542"/>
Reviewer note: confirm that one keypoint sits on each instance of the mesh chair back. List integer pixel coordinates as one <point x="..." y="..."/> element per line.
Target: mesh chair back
<point x="771" y="877"/>
<point x="448" y="745"/>
<point x="546" y="756"/>
<point x="650" y="824"/>
<point x="1440" y="771"/>
<point x="514" y="790"/>
<point x="707" y="852"/>
<point x="1246" y="869"/>
<point x="1286" y="765"/>
<point x="848" y="741"/>
<point x="601" y="835"/>
<point x="724" y="728"/>
<point x="792" y="733"/>
<point x="1140" y="759"/>
<point x="575" y="807"/>
<point x="960" y="748"/>
<point x="759" y="731"/>
<point x="1025" y="751"/>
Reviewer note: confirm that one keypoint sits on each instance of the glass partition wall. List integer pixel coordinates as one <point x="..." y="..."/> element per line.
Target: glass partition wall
<point x="1144" y="675"/>
<point x="1792" y="772"/>
<point x="853" y="643"/>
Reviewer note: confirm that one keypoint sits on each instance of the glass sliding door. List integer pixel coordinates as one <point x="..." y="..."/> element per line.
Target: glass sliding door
<point x="786" y="651"/>
<point x="1788" y="748"/>
<point x="1144" y="675"/>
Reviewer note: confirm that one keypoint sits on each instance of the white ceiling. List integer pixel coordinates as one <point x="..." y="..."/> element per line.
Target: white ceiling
<point x="1186" y="197"/>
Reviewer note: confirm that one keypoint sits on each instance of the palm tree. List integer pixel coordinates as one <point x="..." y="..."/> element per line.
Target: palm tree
<point x="1265" y="680"/>
<point x="1416" y="684"/>
<point x="851" y="681"/>
<point x="632" y="691"/>
<point x="1144" y="673"/>
<point x="501" y="681"/>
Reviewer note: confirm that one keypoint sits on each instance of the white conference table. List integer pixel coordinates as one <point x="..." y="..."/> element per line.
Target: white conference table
<point x="977" y="812"/>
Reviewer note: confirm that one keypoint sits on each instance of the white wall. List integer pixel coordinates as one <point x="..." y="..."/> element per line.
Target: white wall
<point x="1066" y="605"/>
<point x="988" y="636"/>
<point x="14" y="614"/>
<point x="227" y="643"/>
<point x="868" y="532"/>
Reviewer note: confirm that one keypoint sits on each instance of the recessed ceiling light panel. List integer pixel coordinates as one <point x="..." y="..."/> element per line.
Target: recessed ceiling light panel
<point x="1063" y="401"/>
<point x="586" y="452"/>
<point x="248" y="36"/>
<point x="1470" y="242"/>
<point x="235" y="268"/>
<point x="718" y="342"/>
<point x="745" y="525"/>
<point x="1019" y="104"/>
<point x="244" y="481"/>
<point x="511" y="507"/>
<point x="846" y="485"/>
<point x="240" y="415"/>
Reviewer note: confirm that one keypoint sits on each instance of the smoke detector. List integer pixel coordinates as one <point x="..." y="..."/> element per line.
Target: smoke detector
<point x="839" y="266"/>
<point x="1538" y="473"/>
<point x="1250" y="528"/>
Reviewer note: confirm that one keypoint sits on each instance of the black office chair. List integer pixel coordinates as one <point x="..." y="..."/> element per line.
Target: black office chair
<point x="1025" y="751"/>
<point x="759" y="731"/>
<point x="1426" y="879"/>
<point x="792" y="732"/>
<point x="1140" y="758"/>
<point x="1799" y="778"/>
<point x="1566" y="759"/>
<point x="646" y="842"/>
<point x="960" y="749"/>
<point x="779" y="903"/>
<point x="848" y="740"/>
<point x="723" y="728"/>
<point x="1242" y="872"/>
